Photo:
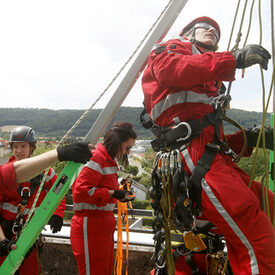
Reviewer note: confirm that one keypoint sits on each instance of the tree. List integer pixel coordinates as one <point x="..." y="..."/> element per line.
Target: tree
<point x="133" y="170"/>
<point x="247" y="163"/>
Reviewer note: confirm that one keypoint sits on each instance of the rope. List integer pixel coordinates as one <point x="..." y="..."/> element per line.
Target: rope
<point x="122" y="211"/>
<point x="265" y="104"/>
<point x="116" y="76"/>
<point x="233" y="25"/>
<point x="249" y="25"/>
<point x="262" y="133"/>
<point x="36" y="198"/>
<point x="83" y="116"/>
<point x="240" y="28"/>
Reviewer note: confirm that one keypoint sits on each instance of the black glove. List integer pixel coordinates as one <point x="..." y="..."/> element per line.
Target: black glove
<point x="123" y="195"/>
<point x="77" y="152"/>
<point x="55" y="223"/>
<point x="5" y="247"/>
<point x="252" y="135"/>
<point x="250" y="55"/>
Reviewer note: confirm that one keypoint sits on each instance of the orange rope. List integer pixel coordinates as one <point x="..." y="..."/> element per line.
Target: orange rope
<point x="122" y="217"/>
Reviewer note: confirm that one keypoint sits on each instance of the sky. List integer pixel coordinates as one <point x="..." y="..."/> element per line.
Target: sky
<point x="62" y="54"/>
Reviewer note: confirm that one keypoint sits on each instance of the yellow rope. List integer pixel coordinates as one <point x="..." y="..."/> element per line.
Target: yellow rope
<point x="262" y="133"/>
<point x="249" y="25"/>
<point x="233" y="25"/>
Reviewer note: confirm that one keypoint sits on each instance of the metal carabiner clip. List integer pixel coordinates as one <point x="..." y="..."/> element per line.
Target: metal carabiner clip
<point x="189" y="131"/>
<point x="218" y="101"/>
<point x="27" y="191"/>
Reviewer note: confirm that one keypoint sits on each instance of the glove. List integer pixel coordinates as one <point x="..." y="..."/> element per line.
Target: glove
<point x="55" y="223"/>
<point x="250" y="55"/>
<point x="77" y="152"/>
<point x="124" y="195"/>
<point x="252" y="135"/>
<point x="5" y="247"/>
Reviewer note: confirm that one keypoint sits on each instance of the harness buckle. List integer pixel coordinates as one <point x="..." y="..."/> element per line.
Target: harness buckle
<point x="213" y="147"/>
<point x="228" y="151"/>
<point x="25" y="190"/>
<point x="189" y="130"/>
<point x="25" y="194"/>
<point x="221" y="101"/>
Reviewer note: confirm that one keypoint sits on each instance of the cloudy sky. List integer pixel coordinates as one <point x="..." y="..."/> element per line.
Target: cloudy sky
<point x="62" y="54"/>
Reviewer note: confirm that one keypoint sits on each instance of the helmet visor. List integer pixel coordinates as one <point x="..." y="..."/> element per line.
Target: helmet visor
<point x="207" y="26"/>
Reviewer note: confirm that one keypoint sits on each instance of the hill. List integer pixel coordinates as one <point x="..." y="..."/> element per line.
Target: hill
<point x="55" y="123"/>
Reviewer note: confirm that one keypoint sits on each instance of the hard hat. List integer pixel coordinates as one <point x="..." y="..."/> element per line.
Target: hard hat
<point x="197" y="23"/>
<point x="206" y="19"/>
<point x="23" y="134"/>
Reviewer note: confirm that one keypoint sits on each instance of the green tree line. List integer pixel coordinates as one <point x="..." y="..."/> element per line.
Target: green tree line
<point x="56" y="123"/>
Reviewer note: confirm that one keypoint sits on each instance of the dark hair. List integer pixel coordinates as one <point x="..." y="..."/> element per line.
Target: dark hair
<point x="116" y="135"/>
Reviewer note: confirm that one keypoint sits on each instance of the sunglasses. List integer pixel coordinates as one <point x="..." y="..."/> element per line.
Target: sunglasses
<point x="207" y="26"/>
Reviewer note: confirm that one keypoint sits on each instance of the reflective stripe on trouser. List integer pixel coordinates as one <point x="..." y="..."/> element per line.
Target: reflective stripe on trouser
<point x="230" y="205"/>
<point x="92" y="240"/>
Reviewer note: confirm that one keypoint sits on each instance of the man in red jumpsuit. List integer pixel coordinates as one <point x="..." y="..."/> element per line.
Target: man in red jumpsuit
<point x="13" y="173"/>
<point x="180" y="85"/>
<point x="23" y="143"/>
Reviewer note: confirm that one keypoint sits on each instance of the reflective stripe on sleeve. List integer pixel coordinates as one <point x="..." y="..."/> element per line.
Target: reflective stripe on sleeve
<point x="14" y="209"/>
<point x="49" y="177"/>
<point x="103" y="171"/>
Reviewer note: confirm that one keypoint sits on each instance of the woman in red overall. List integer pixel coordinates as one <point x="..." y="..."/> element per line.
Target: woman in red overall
<point x="95" y="192"/>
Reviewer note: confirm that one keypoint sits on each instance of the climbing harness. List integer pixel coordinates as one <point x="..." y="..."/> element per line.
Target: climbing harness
<point x="177" y="195"/>
<point x="176" y="230"/>
<point x="26" y="192"/>
<point x="19" y="220"/>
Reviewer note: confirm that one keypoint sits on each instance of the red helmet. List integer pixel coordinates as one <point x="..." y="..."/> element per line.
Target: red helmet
<point x="206" y="19"/>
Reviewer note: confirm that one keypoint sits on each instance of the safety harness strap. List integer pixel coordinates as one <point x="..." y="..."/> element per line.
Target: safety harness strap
<point x="203" y="165"/>
<point x="181" y="133"/>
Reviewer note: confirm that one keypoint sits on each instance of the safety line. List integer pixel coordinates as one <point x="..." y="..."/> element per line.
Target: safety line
<point x="116" y="76"/>
<point x="233" y="25"/>
<point x="262" y="133"/>
<point x="240" y="28"/>
<point x="249" y="24"/>
<point x="83" y="116"/>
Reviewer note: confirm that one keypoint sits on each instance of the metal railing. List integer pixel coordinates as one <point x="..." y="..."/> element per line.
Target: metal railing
<point x="138" y="234"/>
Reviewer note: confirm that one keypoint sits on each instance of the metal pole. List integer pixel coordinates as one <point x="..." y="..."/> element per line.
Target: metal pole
<point x="134" y="72"/>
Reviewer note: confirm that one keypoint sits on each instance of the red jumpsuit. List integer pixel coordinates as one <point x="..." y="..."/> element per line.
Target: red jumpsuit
<point x="7" y="178"/>
<point x="93" y="225"/>
<point x="9" y="210"/>
<point x="179" y="84"/>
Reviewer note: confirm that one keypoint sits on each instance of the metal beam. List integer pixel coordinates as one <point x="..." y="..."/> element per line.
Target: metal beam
<point x="134" y="72"/>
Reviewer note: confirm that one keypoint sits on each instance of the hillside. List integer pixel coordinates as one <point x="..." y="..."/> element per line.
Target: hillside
<point x="55" y="123"/>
